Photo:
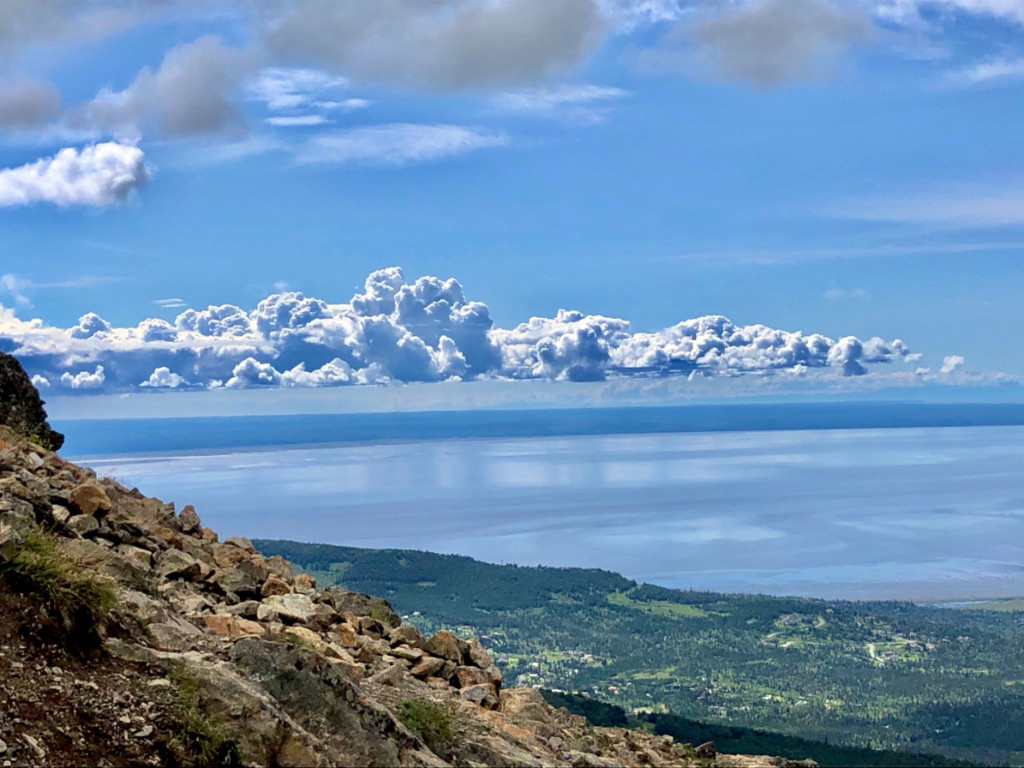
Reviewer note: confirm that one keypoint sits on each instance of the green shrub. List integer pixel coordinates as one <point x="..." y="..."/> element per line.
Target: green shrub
<point x="200" y="741"/>
<point x="431" y="722"/>
<point x="76" y="598"/>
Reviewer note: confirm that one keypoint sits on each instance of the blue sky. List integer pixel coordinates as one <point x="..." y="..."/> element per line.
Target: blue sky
<point x="841" y="169"/>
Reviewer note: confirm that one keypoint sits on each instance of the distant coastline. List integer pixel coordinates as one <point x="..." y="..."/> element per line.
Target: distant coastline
<point x="166" y="436"/>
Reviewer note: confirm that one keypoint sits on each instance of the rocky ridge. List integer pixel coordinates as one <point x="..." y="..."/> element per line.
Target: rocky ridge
<point x="214" y="654"/>
<point x="21" y="408"/>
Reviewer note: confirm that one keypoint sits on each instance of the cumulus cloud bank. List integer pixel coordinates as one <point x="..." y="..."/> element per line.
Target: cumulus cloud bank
<point x="398" y="330"/>
<point x="97" y="175"/>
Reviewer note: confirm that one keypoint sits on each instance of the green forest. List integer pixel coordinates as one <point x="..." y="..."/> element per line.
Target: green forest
<point x="877" y="675"/>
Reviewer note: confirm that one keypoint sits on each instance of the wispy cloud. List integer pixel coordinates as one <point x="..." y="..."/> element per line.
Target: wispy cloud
<point x="291" y="121"/>
<point x="397" y="144"/>
<point x="789" y="255"/>
<point x="283" y="88"/>
<point x="19" y="288"/>
<point x="981" y="207"/>
<point x="547" y="99"/>
<point x="839" y="294"/>
<point x="172" y="303"/>
<point x="988" y="71"/>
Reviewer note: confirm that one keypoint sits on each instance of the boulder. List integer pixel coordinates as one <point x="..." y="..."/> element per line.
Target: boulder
<point x="346" y="634"/>
<point x="83" y="525"/>
<point x="482" y="695"/>
<point x="478" y="657"/>
<point x="428" y="666"/>
<point x="447" y="646"/>
<point x="706" y="751"/>
<point x="406" y="634"/>
<point x="242" y="543"/>
<point x="175" y="564"/>
<point x="10" y="542"/>
<point x="243" y="581"/>
<point x="188" y="519"/>
<point x="233" y="626"/>
<point x="228" y="555"/>
<point x="90" y="498"/>
<point x="361" y="605"/>
<point x="305" y="581"/>
<point x="296" y="609"/>
<point x="466" y="677"/>
<point x="407" y="653"/>
<point x="279" y="566"/>
<point x="274" y="585"/>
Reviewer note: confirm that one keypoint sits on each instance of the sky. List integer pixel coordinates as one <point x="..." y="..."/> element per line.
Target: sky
<point x="273" y="195"/>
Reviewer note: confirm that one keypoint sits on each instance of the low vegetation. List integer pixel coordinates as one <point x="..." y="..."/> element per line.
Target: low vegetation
<point x="75" y="598"/>
<point x="431" y="722"/>
<point x="200" y="741"/>
<point x="873" y="675"/>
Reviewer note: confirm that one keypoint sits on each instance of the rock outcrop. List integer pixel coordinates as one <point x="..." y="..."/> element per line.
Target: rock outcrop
<point x="214" y="654"/>
<point x="21" y="408"/>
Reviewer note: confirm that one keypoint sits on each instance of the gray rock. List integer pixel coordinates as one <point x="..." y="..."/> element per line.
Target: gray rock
<point x="83" y="525"/>
<point x="10" y="542"/>
<point x="447" y="646"/>
<point x="361" y="605"/>
<point x="60" y="514"/>
<point x="296" y="609"/>
<point x="406" y="635"/>
<point x="175" y="564"/>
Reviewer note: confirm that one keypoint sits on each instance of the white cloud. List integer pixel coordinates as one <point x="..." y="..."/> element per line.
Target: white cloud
<point x="951" y="363"/>
<point x="40" y="382"/>
<point x="171" y="303"/>
<point x="163" y="378"/>
<point x="16" y="287"/>
<point x="84" y="379"/>
<point x="412" y="331"/>
<point x="98" y="175"/>
<point x="397" y="144"/>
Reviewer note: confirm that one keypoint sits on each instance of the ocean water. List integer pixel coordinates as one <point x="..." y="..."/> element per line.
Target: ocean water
<point x="927" y="513"/>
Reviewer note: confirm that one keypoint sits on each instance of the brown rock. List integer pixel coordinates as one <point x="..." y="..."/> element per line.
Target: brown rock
<point x="188" y="519"/>
<point x="279" y="566"/>
<point x="347" y="635"/>
<point x="305" y="581"/>
<point x="470" y="676"/>
<point x="446" y="645"/>
<point x="209" y="535"/>
<point x="242" y="543"/>
<point x="275" y="585"/>
<point x="371" y="628"/>
<point x="233" y="626"/>
<point x="295" y="752"/>
<point x="307" y="636"/>
<point x="89" y="498"/>
<point x="407" y="653"/>
<point x="479" y="657"/>
<point x="227" y="555"/>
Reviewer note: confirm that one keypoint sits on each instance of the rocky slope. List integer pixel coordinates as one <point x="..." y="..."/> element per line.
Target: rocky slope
<point x="131" y="635"/>
<point x="21" y="408"/>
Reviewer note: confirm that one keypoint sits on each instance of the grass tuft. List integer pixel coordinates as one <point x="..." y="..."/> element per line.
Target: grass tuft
<point x="200" y="741"/>
<point x="431" y="722"/>
<point x="76" y="598"/>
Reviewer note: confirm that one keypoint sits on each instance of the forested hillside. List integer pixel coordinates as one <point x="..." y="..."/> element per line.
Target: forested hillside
<point x="883" y="675"/>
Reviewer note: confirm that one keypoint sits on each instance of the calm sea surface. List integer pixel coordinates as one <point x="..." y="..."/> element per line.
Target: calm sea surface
<point x="923" y="513"/>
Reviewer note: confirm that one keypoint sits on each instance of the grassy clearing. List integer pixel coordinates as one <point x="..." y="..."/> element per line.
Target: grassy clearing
<point x="76" y="598"/>
<point x="200" y="741"/>
<point x="431" y="722"/>
<point x="663" y="608"/>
